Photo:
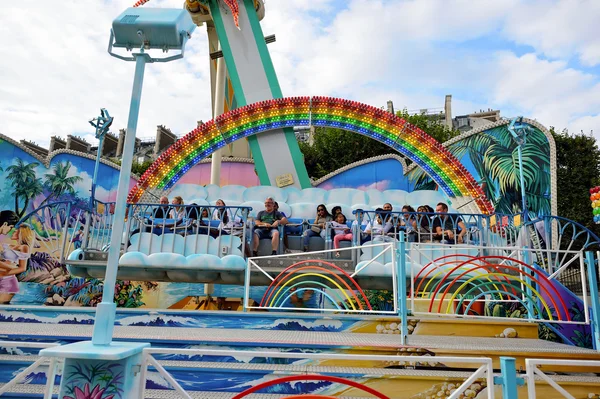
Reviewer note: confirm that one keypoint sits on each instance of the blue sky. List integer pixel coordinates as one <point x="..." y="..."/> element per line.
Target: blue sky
<point x="537" y="58"/>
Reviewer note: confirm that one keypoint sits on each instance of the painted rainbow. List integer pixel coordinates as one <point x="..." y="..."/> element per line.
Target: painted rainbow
<point x="445" y="169"/>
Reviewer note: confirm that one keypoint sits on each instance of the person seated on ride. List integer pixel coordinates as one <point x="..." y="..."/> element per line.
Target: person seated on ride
<point x="424" y="224"/>
<point x="267" y="223"/>
<point x="276" y="206"/>
<point x="341" y="232"/>
<point x="174" y="218"/>
<point x="162" y="212"/>
<point x="364" y="237"/>
<point x="377" y="228"/>
<point x="177" y="212"/>
<point x="389" y="220"/>
<point x="317" y="228"/>
<point x="407" y="222"/>
<point x="230" y="224"/>
<point x="156" y="223"/>
<point x="446" y="226"/>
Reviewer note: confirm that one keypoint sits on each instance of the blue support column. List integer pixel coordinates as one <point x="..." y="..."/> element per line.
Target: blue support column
<point x="401" y="273"/>
<point x="120" y="358"/>
<point x="595" y="302"/>
<point x="527" y="260"/>
<point x="96" y="167"/>
<point x="509" y="378"/>
<point x="522" y="181"/>
<point x="105" y="312"/>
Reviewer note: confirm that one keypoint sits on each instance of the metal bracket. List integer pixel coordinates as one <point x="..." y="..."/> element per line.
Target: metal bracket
<point x="520" y="381"/>
<point x="102" y="123"/>
<point x="184" y="38"/>
<point x="219" y="53"/>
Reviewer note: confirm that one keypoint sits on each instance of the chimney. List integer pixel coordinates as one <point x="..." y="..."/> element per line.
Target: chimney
<point x="448" y="111"/>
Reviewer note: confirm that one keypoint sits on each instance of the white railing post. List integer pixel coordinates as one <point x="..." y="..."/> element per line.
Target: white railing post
<point x="529" y="369"/>
<point x="168" y="377"/>
<point x="143" y="373"/>
<point x="463" y="387"/>
<point x="50" y="379"/>
<point x="532" y="370"/>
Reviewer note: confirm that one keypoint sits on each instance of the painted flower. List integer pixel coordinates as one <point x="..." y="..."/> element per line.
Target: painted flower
<point x="86" y="394"/>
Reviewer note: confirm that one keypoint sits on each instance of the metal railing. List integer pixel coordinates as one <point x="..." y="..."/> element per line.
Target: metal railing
<point x="314" y="272"/>
<point x="98" y="227"/>
<point x="186" y="229"/>
<point x="532" y="370"/>
<point x="53" y="361"/>
<point x="484" y="371"/>
<point x="447" y="228"/>
<point x="466" y="281"/>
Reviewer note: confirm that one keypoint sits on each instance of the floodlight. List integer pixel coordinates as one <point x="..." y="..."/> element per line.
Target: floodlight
<point x="151" y="28"/>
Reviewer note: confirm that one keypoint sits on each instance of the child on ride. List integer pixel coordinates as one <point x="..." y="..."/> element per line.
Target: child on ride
<point x="341" y="231"/>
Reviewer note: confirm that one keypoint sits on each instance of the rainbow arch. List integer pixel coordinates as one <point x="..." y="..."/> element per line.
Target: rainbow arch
<point x="445" y="169"/>
<point x="487" y="275"/>
<point x="294" y="278"/>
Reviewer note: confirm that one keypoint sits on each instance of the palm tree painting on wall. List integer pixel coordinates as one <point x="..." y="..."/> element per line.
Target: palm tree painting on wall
<point x="492" y="158"/>
<point x="27" y="186"/>
<point x="59" y="182"/>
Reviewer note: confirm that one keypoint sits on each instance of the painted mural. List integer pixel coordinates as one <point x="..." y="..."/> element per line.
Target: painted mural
<point x="490" y="156"/>
<point x="380" y="174"/>
<point x="30" y="268"/>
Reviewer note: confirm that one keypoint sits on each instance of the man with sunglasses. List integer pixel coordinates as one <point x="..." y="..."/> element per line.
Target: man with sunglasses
<point x="267" y="223"/>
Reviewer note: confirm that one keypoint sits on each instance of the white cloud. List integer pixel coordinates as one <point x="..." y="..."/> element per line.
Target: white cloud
<point x="60" y="75"/>
<point x="547" y="90"/>
<point x="412" y="52"/>
<point x="559" y="29"/>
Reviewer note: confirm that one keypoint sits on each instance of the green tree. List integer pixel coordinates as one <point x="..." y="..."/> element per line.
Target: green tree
<point x="21" y="176"/>
<point x="335" y="148"/>
<point x="140" y="168"/>
<point x="136" y="167"/>
<point x="59" y="182"/>
<point x="578" y="170"/>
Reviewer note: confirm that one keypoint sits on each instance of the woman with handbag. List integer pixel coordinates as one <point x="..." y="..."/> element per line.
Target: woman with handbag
<point x="318" y="226"/>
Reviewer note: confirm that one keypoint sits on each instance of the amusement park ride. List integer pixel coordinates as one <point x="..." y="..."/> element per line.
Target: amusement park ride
<point x="408" y="314"/>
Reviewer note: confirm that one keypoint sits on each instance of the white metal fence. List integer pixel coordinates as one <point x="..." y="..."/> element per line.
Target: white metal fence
<point x="315" y="272"/>
<point x="42" y="361"/>
<point x="461" y="281"/>
<point x="484" y="371"/>
<point x="533" y="371"/>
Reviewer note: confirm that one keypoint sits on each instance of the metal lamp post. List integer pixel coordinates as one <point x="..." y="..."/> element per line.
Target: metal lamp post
<point x="142" y="29"/>
<point x="101" y="123"/>
<point x="518" y="130"/>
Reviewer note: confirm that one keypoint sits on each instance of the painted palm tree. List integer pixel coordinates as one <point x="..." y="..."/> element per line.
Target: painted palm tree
<point x="31" y="189"/>
<point x="21" y="175"/>
<point x="59" y="182"/>
<point x="494" y="156"/>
